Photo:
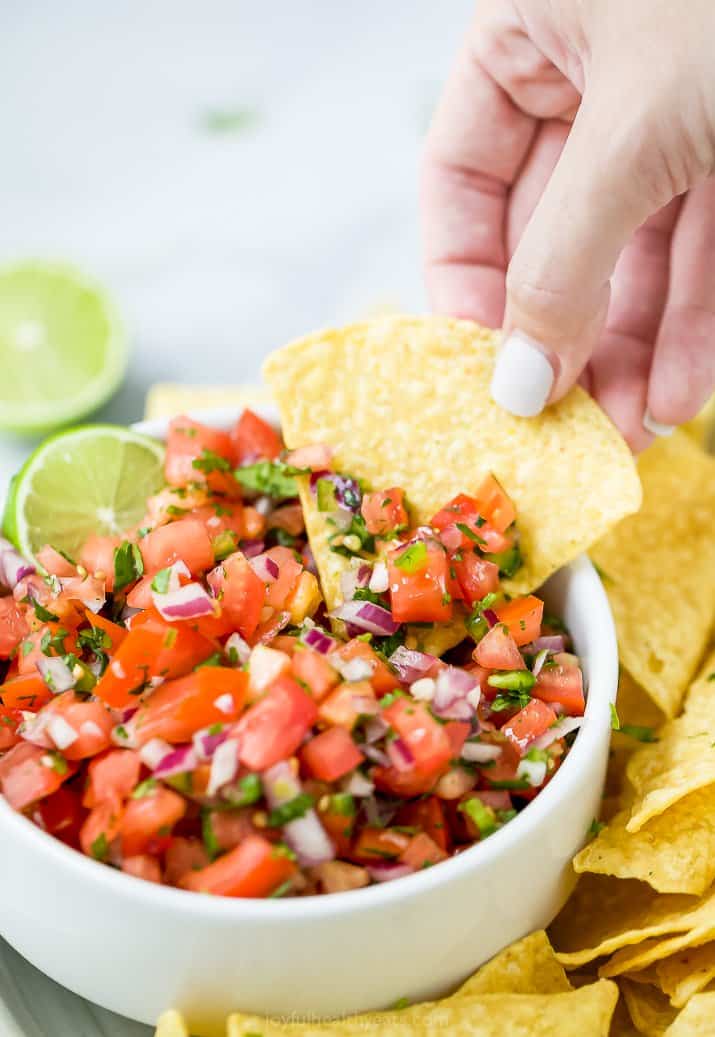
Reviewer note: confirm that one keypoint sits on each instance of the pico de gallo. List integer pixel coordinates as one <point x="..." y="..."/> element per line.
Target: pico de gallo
<point x="178" y="702"/>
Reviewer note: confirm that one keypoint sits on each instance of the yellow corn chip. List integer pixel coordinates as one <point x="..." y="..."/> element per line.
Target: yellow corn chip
<point x="682" y="760"/>
<point x="702" y="427"/>
<point x="687" y="973"/>
<point x="605" y="914"/>
<point x="576" y="1013"/>
<point x="622" y="1024"/>
<point x="171" y="1024"/>
<point x="630" y="959"/>
<point x="659" y="570"/>
<point x="635" y="706"/>
<point x="404" y="401"/>
<point x="166" y="399"/>
<point x="674" y="852"/>
<point x="649" y="1008"/>
<point x="697" y="1018"/>
<point x="646" y="975"/>
<point x="527" y="967"/>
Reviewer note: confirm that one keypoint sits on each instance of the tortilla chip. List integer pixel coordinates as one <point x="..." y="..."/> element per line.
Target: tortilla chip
<point x="166" y="399"/>
<point x="702" y="427"/>
<point x="674" y="852"/>
<point x="659" y="570"/>
<point x="635" y="706"/>
<point x="651" y="951"/>
<point x="697" y="1018"/>
<point x="646" y="975"/>
<point x="404" y="401"/>
<point x="622" y="1024"/>
<point x="527" y="967"/>
<point x="649" y="1008"/>
<point x="570" y="1014"/>
<point x="687" y="973"/>
<point x="605" y="914"/>
<point x="171" y="1024"/>
<point x="682" y="760"/>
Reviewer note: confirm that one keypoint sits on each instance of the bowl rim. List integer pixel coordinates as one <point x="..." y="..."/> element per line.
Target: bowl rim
<point x="603" y="680"/>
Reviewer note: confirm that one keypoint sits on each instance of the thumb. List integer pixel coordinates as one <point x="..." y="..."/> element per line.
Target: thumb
<point x="558" y="279"/>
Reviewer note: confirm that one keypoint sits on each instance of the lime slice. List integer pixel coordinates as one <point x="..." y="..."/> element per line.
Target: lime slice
<point x="62" y="348"/>
<point x="93" y="479"/>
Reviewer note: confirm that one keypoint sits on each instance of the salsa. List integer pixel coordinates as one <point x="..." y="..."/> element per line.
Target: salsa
<point x="179" y="703"/>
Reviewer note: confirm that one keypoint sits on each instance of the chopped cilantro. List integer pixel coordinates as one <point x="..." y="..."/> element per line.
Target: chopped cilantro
<point x="595" y="827"/>
<point x="41" y="612"/>
<point x="144" y="788"/>
<point x="246" y="791"/>
<point x="274" y="478"/>
<point x="365" y="594"/>
<point x="128" y="565"/>
<point x="224" y="544"/>
<point x="342" y="803"/>
<point x="211" y="462"/>
<point x="280" y="891"/>
<point x="604" y="577"/>
<point x="284" y="538"/>
<point x="50" y="642"/>
<point x="294" y="808"/>
<point x="513" y="680"/>
<point x="615" y="722"/>
<point x="56" y="762"/>
<point x="100" y="848"/>
<point x="469" y="533"/>
<point x="216" y="659"/>
<point x="640" y="733"/>
<point x="509" y="561"/>
<point x="161" y="581"/>
<point x="175" y="511"/>
<point x="402" y="1002"/>
<point x="482" y="816"/>
<point x="213" y="847"/>
<point x="413" y="558"/>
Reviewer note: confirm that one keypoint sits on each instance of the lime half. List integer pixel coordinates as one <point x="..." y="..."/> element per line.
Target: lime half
<point x="93" y="479"/>
<point x="62" y="348"/>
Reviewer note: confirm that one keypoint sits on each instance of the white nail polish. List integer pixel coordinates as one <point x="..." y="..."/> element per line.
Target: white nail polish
<point x="523" y="377"/>
<point x="656" y="427"/>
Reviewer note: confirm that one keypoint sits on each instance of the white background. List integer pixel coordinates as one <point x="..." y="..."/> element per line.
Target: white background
<point x="220" y="246"/>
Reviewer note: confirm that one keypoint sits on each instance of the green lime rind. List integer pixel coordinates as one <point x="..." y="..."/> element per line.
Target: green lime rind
<point x="94" y="479"/>
<point x="63" y="349"/>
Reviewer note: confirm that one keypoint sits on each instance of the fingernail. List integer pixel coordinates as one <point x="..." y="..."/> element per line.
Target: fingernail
<point x="523" y="377"/>
<point x="658" y="429"/>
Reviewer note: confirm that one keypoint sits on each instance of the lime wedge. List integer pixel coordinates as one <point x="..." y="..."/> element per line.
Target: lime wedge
<point x="62" y="348"/>
<point x="93" y="479"/>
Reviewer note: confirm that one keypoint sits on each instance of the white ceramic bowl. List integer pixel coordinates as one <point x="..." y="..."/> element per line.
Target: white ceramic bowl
<point x="138" y="948"/>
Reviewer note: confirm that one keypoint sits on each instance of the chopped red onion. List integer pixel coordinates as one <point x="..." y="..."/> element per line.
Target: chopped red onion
<point x="352" y="670"/>
<point x="367" y="616"/>
<point x="375" y="728"/>
<point x="400" y="754"/>
<point x="215" y="579"/>
<point x="241" y="647"/>
<point x="309" y="560"/>
<point x="127" y="714"/>
<point x="531" y="771"/>
<point x="410" y="665"/>
<point x="265" y="666"/>
<point x="316" y="456"/>
<point x="376" y="755"/>
<point x="128" y="613"/>
<point x="280" y="784"/>
<point x="224" y="766"/>
<point x="88" y="727"/>
<point x="153" y="752"/>
<point x="365" y="705"/>
<point x="480" y="752"/>
<point x="491" y="617"/>
<point x="558" y="730"/>
<point x="263" y="505"/>
<point x="206" y="744"/>
<point x="352" y="578"/>
<point x="356" y="784"/>
<point x="305" y="835"/>
<point x="56" y="674"/>
<point x="13" y="567"/>
<point x="451" y="537"/>
<point x="317" y="639"/>
<point x="452" y="688"/>
<point x="265" y="568"/>
<point x="188" y="602"/>
<point x="252" y="548"/>
<point x="539" y="661"/>
<point x="225" y="704"/>
<point x="178" y="761"/>
<point x="552" y="642"/>
<point x="379" y="812"/>
<point x="497" y="799"/>
<point x="379" y="579"/>
<point x="34" y="729"/>
<point x="125" y="736"/>
<point x="388" y="870"/>
<point x="348" y="494"/>
<point x="60" y="731"/>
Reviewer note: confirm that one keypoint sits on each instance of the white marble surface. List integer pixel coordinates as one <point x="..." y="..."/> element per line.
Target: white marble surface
<point x="220" y="246"/>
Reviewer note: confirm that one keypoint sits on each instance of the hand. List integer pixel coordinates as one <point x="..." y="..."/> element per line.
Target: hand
<point x="568" y="194"/>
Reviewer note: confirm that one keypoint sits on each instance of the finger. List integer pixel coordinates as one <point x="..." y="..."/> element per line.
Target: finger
<point x="682" y="376"/>
<point x="533" y="178"/>
<point x="621" y="362"/>
<point x="558" y="280"/>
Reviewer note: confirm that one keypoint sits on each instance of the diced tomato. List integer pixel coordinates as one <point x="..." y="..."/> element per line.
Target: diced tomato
<point x="562" y="683"/>
<point x="273" y="728"/>
<point x="495" y="504"/>
<point x="241" y="593"/>
<point x="278" y="591"/>
<point x="100" y="828"/>
<point x="403" y="783"/>
<point x="55" y="563"/>
<point x="142" y="866"/>
<point x="494" y="542"/>
<point x="27" y="691"/>
<point x="347" y="703"/>
<point x="522" y="617"/>
<point x="458" y="732"/>
<point x="10" y="720"/>
<point x="530" y="722"/>
<point x="331" y="754"/>
<point x="31" y="650"/>
<point x="497" y="650"/>
<point x="221" y="516"/>
<point x="140" y="597"/>
<point x="475" y="576"/>
<point x="112" y="775"/>
<point x="24" y="778"/>
<point x="133" y="664"/>
<point x="254" y="439"/>
<point x="189" y="441"/>
<point x="185" y="540"/>
<point x="182" y="856"/>
<point x="382" y="679"/>
<point x="184" y="644"/>
<point x="148" y="818"/>
<point x="97" y="556"/>
<point x="422" y="852"/>
<point x="179" y="708"/>
<point x="61" y="815"/>
<point x="289" y="517"/>
<point x="418" y="576"/>
<point x="378" y="844"/>
<point x="255" y="868"/>
<point x="314" y="670"/>
<point x="115" y="633"/>
<point x="91" y="720"/>
<point x="460" y="523"/>
<point x="230" y="827"/>
<point x="338" y="825"/>
<point x="427" y="814"/>
<point x="384" y="511"/>
<point x="426" y="739"/>
<point x="13" y="627"/>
